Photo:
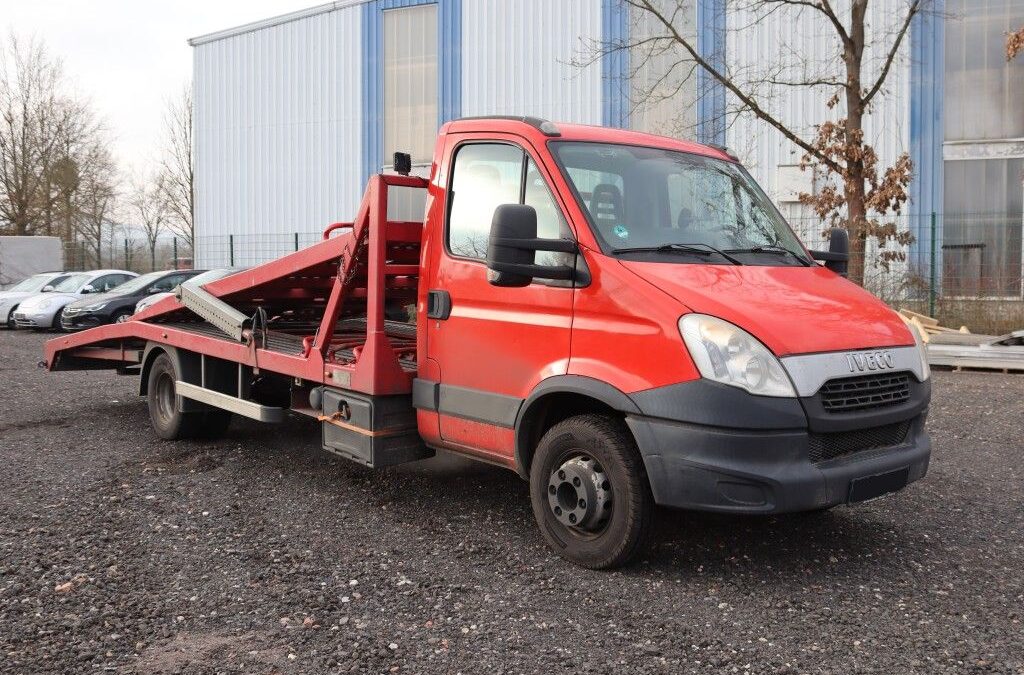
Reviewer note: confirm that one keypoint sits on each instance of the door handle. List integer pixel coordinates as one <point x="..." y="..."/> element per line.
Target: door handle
<point x="439" y="304"/>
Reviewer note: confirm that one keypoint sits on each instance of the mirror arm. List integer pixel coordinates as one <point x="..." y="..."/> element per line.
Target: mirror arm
<point x="829" y="256"/>
<point x="536" y="244"/>
<point x="559" y="272"/>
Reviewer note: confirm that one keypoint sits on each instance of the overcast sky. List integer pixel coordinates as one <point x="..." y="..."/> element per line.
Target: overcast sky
<point x="129" y="56"/>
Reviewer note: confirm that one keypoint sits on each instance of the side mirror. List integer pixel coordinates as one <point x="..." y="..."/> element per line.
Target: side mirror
<point x="46" y="289"/>
<point x="513" y="243"/>
<point x="837" y="257"/>
<point x="88" y="288"/>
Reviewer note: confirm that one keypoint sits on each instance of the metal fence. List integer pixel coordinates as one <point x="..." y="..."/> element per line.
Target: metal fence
<point x="127" y="254"/>
<point x="966" y="269"/>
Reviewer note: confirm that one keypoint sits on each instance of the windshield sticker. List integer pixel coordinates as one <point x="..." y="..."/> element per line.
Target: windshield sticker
<point x="620" y="231"/>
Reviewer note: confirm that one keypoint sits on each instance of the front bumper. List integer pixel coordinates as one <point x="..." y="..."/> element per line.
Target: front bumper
<point x="762" y="471"/>
<point x="32" y="319"/>
<point x="715" y="448"/>
<point x="72" y="321"/>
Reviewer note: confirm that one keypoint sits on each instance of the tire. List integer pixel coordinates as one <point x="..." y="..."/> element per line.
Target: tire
<point x="56" y="321"/>
<point x="614" y="525"/>
<point x="120" y="316"/>
<point x="10" y="319"/>
<point x="168" y="421"/>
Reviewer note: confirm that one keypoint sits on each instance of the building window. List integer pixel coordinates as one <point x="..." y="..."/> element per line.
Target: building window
<point x="984" y="156"/>
<point x="410" y="82"/>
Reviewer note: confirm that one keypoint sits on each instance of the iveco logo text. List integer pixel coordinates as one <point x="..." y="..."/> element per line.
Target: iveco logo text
<point x="862" y="361"/>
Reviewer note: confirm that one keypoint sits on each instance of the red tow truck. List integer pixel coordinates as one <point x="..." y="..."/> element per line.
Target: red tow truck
<point x="623" y="319"/>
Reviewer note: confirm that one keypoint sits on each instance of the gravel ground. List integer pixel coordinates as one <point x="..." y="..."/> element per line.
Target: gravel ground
<point x="259" y="553"/>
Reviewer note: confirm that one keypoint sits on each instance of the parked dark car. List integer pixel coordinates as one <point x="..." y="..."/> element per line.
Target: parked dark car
<point x="119" y="304"/>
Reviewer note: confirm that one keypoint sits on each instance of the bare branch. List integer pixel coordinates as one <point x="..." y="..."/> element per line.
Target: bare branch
<point x="915" y="7"/>
<point x="747" y="100"/>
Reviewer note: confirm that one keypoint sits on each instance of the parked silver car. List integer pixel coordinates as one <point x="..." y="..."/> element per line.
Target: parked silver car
<point x="33" y="285"/>
<point x="199" y="280"/>
<point x="43" y="311"/>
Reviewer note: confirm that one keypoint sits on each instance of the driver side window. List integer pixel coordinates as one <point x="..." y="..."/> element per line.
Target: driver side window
<point x="487" y="175"/>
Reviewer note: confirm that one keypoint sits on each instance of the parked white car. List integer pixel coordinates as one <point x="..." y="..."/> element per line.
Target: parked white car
<point x="26" y="288"/>
<point x="199" y="280"/>
<point x="43" y="311"/>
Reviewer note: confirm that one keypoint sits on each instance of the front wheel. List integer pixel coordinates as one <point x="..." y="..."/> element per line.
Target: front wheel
<point x="590" y="493"/>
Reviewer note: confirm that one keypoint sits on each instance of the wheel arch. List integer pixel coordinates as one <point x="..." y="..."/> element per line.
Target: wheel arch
<point x="186" y="364"/>
<point x="558" y="398"/>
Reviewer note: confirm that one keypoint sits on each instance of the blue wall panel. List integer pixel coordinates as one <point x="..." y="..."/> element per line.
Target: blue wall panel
<point x="615" y="65"/>
<point x="710" y="92"/>
<point x="927" y="70"/>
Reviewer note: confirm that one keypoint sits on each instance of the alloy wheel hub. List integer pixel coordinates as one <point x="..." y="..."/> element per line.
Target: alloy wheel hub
<point x="579" y="494"/>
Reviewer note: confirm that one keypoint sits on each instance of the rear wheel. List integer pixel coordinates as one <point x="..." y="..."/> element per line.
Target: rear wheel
<point x="168" y="420"/>
<point x="590" y="493"/>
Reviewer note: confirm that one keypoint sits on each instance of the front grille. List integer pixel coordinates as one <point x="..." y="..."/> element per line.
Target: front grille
<point x="831" y="445"/>
<point x="866" y="391"/>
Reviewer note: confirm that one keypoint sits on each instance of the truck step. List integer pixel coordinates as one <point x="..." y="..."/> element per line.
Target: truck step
<point x="239" y="406"/>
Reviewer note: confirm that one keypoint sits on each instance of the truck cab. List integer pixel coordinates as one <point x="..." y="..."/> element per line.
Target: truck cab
<point x="623" y="319"/>
<point x="597" y="303"/>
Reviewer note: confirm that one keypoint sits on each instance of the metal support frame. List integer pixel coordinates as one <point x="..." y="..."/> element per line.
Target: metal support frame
<point x="369" y="262"/>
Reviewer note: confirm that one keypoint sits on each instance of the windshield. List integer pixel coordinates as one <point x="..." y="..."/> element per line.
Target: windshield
<point x="138" y="283"/>
<point x="32" y="284"/>
<point x="646" y="198"/>
<point x="72" y="283"/>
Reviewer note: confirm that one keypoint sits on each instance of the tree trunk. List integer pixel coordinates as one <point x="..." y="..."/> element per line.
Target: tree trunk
<point x="853" y="185"/>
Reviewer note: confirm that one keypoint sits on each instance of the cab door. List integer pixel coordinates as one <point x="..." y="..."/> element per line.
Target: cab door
<point x="493" y="345"/>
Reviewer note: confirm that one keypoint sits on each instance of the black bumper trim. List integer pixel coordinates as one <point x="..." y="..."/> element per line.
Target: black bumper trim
<point x="760" y="471"/>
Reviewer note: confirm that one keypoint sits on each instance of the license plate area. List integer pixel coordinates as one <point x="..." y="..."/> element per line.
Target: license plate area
<point x="880" y="484"/>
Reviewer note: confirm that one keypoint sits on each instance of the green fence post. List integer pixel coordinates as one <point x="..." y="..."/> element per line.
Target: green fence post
<point x="126" y="253"/>
<point x="231" y="249"/>
<point x="931" y="271"/>
<point x="175" y="253"/>
<point x="296" y="241"/>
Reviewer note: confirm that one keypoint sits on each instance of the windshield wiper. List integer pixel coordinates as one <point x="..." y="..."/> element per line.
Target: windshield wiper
<point x="770" y="248"/>
<point x="679" y="248"/>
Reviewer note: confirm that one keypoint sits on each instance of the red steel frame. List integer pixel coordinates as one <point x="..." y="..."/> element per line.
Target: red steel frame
<point x="361" y="254"/>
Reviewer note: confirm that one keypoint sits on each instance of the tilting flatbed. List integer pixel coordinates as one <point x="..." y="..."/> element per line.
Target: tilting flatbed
<point x="323" y="310"/>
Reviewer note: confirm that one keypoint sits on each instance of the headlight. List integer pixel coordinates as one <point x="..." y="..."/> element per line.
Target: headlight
<point x="922" y="349"/>
<point x="728" y="354"/>
<point x="94" y="307"/>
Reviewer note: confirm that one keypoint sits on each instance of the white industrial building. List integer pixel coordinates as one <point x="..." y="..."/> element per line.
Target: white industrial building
<point x="294" y="112"/>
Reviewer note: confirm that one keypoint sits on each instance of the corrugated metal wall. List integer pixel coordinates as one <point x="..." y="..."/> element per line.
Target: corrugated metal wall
<point x="517" y="59"/>
<point x="809" y="39"/>
<point x="277" y="135"/>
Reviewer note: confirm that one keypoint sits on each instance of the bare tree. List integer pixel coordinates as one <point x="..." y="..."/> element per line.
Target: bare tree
<point x="148" y="207"/>
<point x="46" y="137"/>
<point x="856" y="190"/>
<point x="177" y="177"/>
<point x="94" y="201"/>
<point x="33" y="119"/>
